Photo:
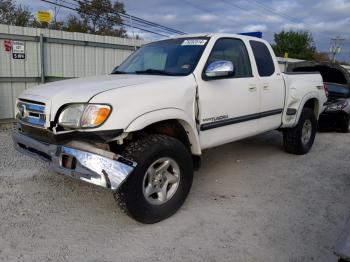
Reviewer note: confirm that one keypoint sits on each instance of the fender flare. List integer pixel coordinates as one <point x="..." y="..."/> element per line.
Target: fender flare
<point x="307" y="97"/>
<point x="163" y="114"/>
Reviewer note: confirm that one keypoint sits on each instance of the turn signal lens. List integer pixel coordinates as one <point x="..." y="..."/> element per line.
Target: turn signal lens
<point x="95" y="115"/>
<point x="102" y="115"/>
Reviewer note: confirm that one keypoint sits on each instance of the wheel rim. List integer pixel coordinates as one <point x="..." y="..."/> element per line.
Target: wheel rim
<point x="161" y="181"/>
<point x="306" y="132"/>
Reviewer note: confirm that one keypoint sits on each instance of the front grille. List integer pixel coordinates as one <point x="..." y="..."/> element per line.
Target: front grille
<point x="32" y="112"/>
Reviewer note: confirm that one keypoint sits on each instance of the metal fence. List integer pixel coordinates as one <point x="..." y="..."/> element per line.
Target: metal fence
<point x="51" y="55"/>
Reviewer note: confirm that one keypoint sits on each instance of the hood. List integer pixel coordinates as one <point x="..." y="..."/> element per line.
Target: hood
<point x="81" y="90"/>
<point x="330" y="72"/>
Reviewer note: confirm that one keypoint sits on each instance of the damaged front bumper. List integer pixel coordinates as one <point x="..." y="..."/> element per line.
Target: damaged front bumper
<point x="78" y="160"/>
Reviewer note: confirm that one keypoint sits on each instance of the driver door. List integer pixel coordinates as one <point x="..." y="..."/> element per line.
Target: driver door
<point x="229" y="106"/>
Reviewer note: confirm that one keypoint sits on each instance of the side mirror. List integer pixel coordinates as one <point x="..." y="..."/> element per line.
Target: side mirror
<point x="219" y="68"/>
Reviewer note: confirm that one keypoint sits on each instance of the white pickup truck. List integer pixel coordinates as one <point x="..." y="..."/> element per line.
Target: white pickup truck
<point x="141" y="130"/>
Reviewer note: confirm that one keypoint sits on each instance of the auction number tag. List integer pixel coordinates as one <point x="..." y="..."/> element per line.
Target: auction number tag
<point x="194" y="42"/>
<point x="18" y="50"/>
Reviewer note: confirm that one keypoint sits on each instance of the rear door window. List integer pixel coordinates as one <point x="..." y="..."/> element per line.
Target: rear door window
<point x="263" y="58"/>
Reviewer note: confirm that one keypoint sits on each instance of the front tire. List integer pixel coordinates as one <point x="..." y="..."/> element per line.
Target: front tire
<point x="161" y="181"/>
<point x="299" y="140"/>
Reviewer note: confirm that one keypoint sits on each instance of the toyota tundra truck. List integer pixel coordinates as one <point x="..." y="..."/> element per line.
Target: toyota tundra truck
<point x="141" y="130"/>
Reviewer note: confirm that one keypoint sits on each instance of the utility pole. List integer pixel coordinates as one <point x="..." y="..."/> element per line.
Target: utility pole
<point x="133" y="32"/>
<point x="336" y="46"/>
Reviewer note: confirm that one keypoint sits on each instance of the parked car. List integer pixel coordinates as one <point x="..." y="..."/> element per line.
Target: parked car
<point x="141" y="130"/>
<point x="337" y="111"/>
<point x="337" y="79"/>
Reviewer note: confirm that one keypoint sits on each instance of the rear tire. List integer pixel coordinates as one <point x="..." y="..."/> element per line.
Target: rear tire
<point x="161" y="181"/>
<point x="299" y="140"/>
<point x="344" y="125"/>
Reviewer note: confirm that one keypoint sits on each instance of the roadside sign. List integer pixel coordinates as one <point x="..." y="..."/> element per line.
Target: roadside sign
<point x="7" y="45"/>
<point x="18" y="50"/>
<point x="44" y="16"/>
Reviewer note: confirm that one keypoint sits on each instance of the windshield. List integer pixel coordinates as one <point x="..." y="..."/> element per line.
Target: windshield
<point x="176" y="57"/>
<point x="336" y="90"/>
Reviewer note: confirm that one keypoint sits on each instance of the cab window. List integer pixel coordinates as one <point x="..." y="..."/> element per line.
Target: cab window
<point x="263" y="58"/>
<point x="233" y="50"/>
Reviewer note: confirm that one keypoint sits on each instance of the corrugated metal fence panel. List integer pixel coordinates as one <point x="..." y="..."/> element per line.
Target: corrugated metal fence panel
<point x="6" y="105"/>
<point x="9" y="67"/>
<point x="62" y="60"/>
<point x="68" y="56"/>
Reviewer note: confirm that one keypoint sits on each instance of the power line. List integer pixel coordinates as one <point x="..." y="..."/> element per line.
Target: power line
<point x="122" y="23"/>
<point x="241" y="8"/>
<point x="64" y="1"/>
<point x="141" y="20"/>
<point x="134" y="19"/>
<point x="261" y="6"/>
<point x="273" y="11"/>
<point x="209" y="11"/>
<point x="285" y="16"/>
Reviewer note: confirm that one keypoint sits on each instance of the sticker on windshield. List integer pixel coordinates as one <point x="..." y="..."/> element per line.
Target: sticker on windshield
<point x="194" y="42"/>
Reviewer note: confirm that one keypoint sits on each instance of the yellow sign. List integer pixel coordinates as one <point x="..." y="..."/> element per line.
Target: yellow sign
<point x="285" y="55"/>
<point x="44" y="16"/>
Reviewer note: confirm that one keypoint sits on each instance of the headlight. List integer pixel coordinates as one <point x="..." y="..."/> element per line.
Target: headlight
<point x="84" y="115"/>
<point x="71" y="115"/>
<point x="337" y="106"/>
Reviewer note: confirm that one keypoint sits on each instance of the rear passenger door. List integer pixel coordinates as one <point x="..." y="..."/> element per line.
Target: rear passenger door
<point x="271" y="85"/>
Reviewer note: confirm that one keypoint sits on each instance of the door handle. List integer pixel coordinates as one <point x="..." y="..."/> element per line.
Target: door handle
<point x="252" y="88"/>
<point x="265" y="86"/>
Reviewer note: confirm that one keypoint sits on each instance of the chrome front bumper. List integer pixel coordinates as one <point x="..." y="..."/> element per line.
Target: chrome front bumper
<point x="78" y="160"/>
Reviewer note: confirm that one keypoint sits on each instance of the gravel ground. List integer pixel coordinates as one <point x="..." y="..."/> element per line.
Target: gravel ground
<point x="249" y="202"/>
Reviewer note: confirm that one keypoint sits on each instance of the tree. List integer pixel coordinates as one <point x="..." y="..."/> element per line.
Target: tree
<point x="299" y="45"/>
<point x="101" y="17"/>
<point x="56" y="25"/>
<point x="22" y="16"/>
<point x="6" y="11"/>
<point x="14" y="15"/>
<point x="74" y="24"/>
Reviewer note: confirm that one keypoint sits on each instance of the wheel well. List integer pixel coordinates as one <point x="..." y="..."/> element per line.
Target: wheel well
<point x="170" y="128"/>
<point x="174" y="129"/>
<point x="313" y="105"/>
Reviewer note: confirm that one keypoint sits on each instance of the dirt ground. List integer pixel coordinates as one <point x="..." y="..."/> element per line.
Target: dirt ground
<point x="251" y="201"/>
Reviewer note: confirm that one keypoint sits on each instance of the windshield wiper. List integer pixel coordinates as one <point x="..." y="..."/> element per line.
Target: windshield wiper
<point x="151" y="71"/>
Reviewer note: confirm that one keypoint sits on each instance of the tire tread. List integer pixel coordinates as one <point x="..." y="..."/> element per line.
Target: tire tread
<point x="292" y="136"/>
<point x="136" y="151"/>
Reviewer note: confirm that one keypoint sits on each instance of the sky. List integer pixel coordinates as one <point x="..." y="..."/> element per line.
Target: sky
<point x="325" y="19"/>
